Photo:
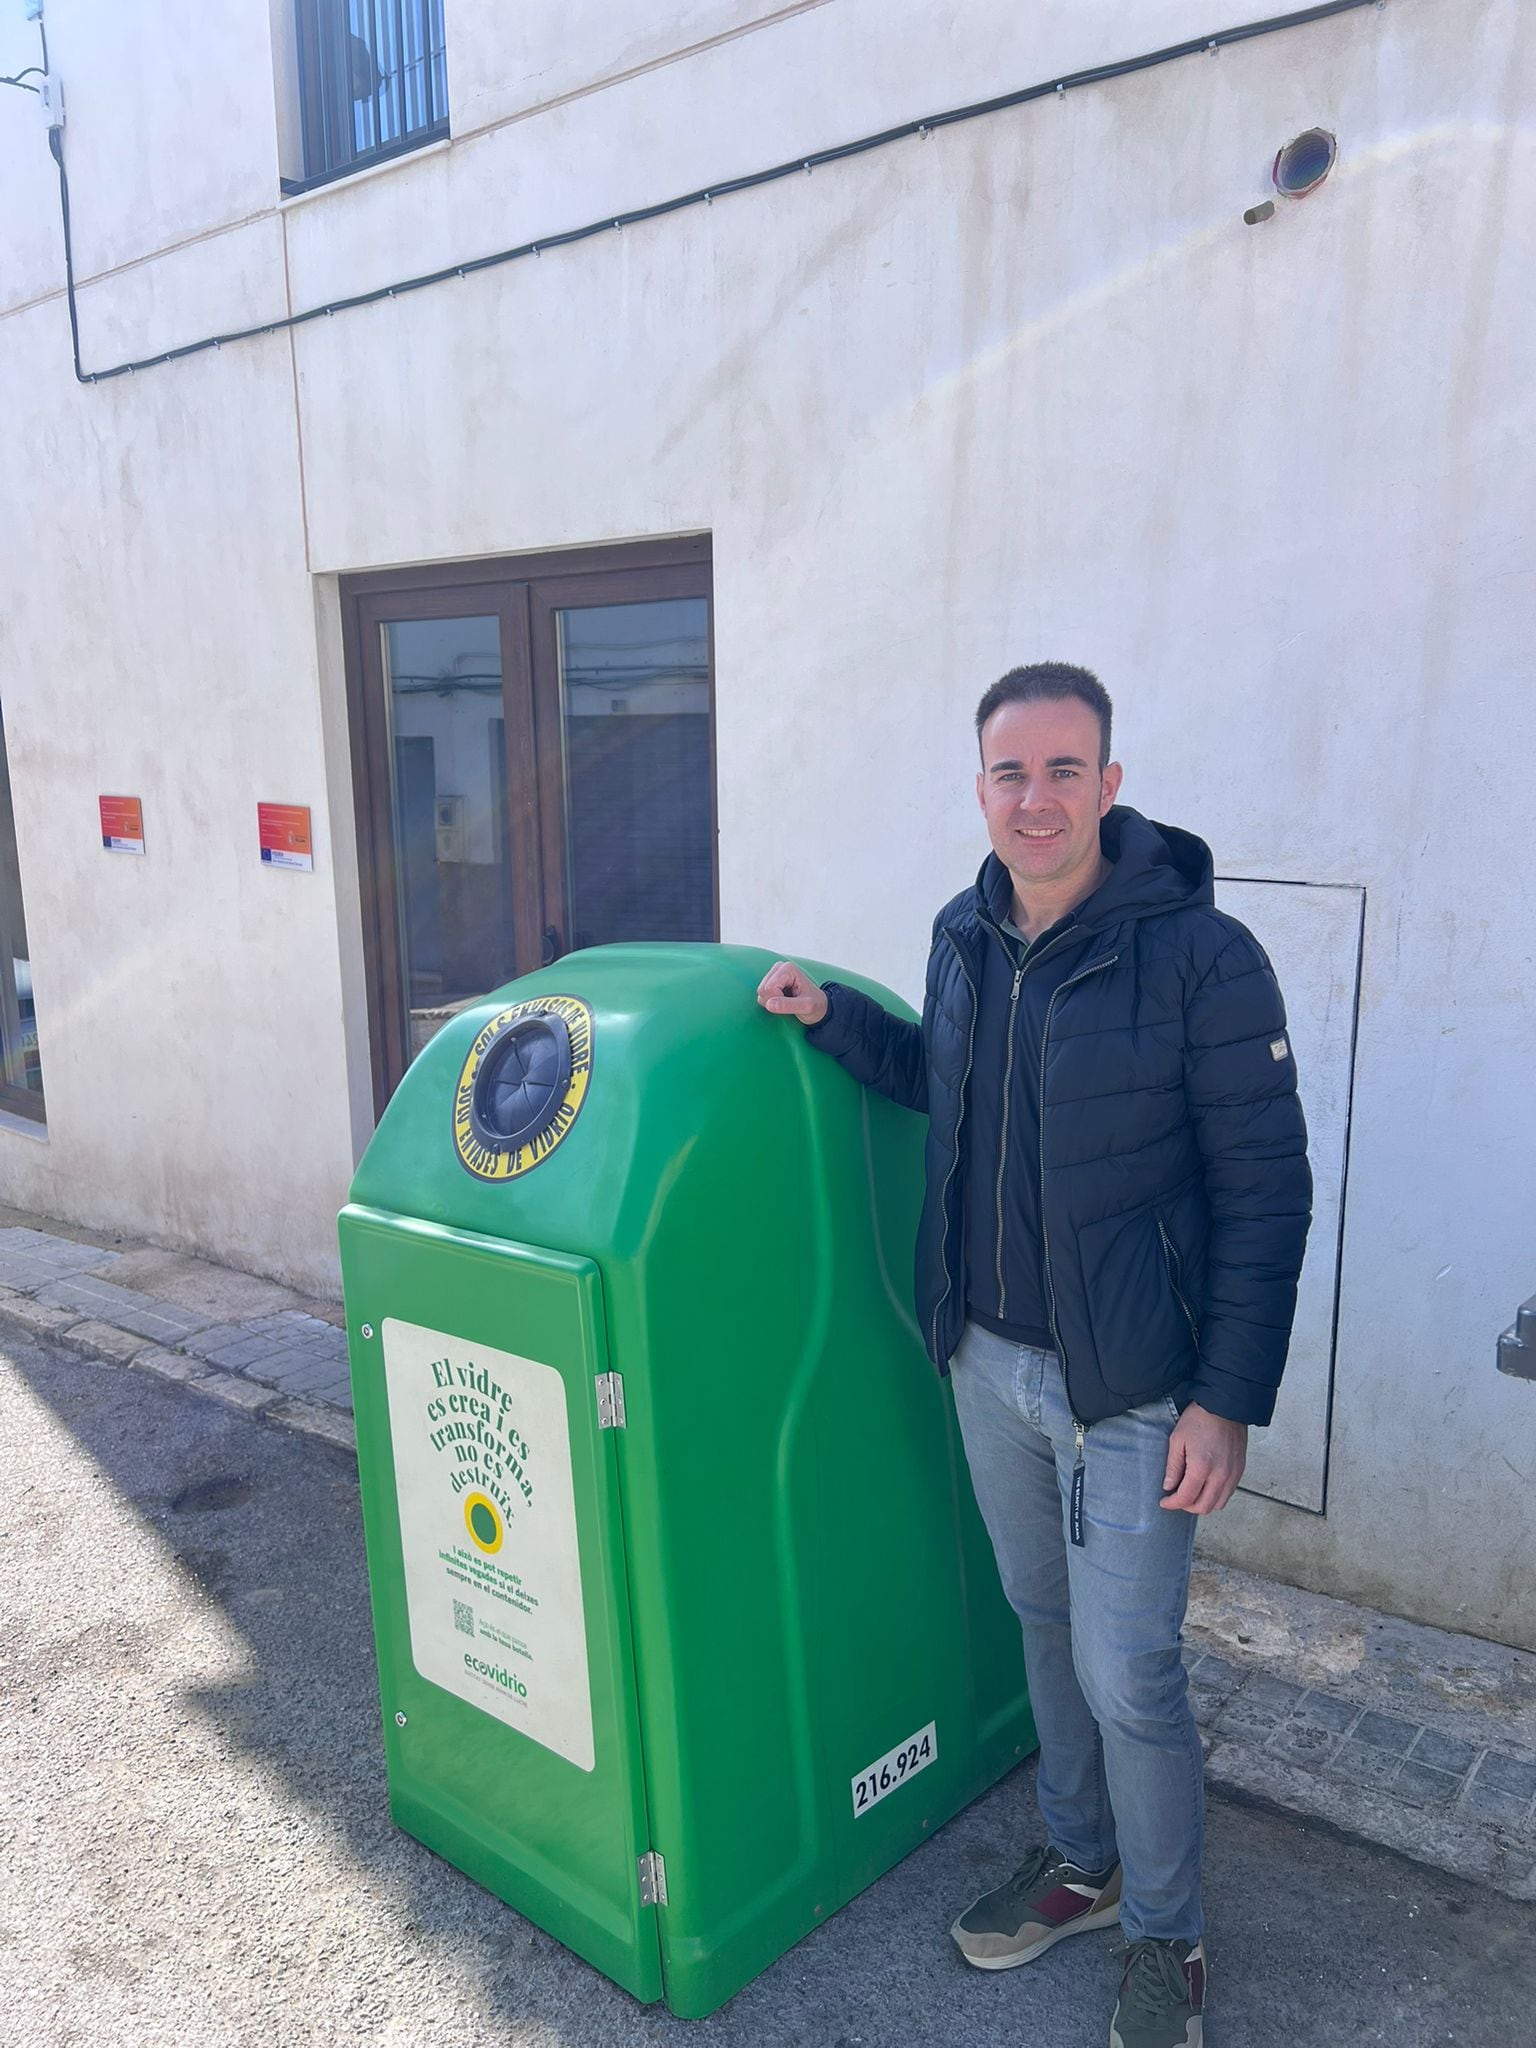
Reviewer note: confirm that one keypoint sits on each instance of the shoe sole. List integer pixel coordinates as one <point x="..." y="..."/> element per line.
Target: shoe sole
<point x="1101" y="1916"/>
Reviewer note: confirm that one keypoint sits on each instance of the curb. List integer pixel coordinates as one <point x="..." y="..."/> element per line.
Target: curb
<point x="107" y="1345"/>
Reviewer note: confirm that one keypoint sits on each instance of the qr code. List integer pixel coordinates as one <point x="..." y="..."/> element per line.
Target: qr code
<point x="464" y="1617"/>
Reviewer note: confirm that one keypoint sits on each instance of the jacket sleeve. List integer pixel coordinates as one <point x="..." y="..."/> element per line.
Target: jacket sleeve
<point x="1240" y="1084"/>
<point x="882" y="1051"/>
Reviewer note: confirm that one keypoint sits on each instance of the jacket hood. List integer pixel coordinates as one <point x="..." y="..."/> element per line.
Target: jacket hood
<point x="1157" y="868"/>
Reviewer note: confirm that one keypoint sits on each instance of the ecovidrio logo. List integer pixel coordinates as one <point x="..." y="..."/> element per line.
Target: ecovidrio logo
<point x="498" y="1674"/>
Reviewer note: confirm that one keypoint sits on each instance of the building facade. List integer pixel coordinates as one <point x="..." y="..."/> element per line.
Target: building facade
<point x="641" y="584"/>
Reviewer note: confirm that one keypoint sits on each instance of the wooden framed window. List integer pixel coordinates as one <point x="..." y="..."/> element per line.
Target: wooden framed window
<point x="533" y="761"/>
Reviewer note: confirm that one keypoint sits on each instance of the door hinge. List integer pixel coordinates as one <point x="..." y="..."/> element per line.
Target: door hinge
<point x="610" y="1400"/>
<point x="653" y="1879"/>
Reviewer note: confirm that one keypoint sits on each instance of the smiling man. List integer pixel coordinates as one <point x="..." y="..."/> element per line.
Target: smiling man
<point x="1117" y="1207"/>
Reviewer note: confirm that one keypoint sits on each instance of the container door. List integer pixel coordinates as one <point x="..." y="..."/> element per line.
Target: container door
<point x="496" y="1559"/>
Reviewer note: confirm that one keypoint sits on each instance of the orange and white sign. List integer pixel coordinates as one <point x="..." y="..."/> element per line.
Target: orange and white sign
<point x="285" y="835"/>
<point x="122" y="823"/>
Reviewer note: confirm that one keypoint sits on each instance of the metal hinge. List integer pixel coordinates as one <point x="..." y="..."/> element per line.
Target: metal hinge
<point x="653" y="1879"/>
<point x="610" y="1400"/>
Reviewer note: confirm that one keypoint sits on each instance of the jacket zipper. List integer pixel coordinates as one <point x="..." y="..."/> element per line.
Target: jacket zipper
<point x="1002" y="1150"/>
<point x="1002" y="1159"/>
<point x="970" y="1049"/>
<point x="1175" y="1267"/>
<point x="1079" y="1428"/>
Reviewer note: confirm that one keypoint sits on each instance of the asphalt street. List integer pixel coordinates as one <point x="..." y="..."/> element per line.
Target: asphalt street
<point x="195" y="1847"/>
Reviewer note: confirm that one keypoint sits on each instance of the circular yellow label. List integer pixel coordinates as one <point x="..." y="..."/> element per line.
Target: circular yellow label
<point x="490" y="1158"/>
<point x="482" y="1518"/>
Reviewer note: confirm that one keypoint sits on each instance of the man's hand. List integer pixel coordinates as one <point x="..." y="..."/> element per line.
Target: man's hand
<point x="1206" y="1456"/>
<point x="788" y="991"/>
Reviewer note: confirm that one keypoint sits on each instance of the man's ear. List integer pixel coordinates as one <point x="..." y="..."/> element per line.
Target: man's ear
<point x="981" y="792"/>
<point x="1114" y="775"/>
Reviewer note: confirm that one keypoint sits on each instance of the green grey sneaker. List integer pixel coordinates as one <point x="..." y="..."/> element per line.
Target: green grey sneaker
<point x="1042" y="1903"/>
<point x="1162" y="1996"/>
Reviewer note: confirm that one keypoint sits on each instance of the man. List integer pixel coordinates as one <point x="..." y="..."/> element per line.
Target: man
<point x="1117" y="1205"/>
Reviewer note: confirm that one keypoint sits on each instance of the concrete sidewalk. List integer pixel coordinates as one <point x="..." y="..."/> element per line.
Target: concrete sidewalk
<point x="1409" y="1737"/>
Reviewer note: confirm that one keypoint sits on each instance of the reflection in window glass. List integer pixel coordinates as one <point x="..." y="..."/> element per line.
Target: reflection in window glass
<point x="21" y="1067"/>
<point x="448" y="749"/>
<point x="634" y="694"/>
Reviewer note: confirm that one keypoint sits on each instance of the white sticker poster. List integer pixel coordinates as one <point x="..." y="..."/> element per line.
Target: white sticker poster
<point x="488" y="1527"/>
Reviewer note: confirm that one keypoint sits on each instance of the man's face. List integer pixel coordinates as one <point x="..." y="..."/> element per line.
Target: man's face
<point x="1041" y="792"/>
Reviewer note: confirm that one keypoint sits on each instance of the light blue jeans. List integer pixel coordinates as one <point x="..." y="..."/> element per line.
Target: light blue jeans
<point x="1121" y="1772"/>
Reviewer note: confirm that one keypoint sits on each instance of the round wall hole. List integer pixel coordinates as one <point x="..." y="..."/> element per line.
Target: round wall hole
<point x="1304" y="162"/>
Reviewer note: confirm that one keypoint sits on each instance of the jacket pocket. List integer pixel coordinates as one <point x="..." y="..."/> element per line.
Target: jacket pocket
<point x="1143" y="1330"/>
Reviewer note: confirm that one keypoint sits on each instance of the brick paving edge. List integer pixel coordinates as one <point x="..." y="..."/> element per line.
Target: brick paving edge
<point x="268" y="1404"/>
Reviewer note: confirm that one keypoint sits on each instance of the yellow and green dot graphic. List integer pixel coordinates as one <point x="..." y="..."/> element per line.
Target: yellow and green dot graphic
<point x="482" y="1518"/>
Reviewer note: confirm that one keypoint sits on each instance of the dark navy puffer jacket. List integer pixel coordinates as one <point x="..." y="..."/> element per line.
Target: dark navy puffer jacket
<point x="1175" y="1192"/>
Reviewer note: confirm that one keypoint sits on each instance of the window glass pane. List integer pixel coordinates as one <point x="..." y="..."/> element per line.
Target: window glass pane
<point x="452" y="874"/>
<point x="634" y="697"/>
<point x="372" y="77"/>
<point x="21" y="1069"/>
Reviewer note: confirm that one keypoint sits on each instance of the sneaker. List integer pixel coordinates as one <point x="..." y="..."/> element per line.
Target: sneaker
<point x="1047" y="1900"/>
<point x="1162" y="1996"/>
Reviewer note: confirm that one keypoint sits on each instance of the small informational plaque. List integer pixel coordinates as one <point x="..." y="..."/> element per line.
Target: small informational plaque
<point x="285" y="837"/>
<point x="488" y="1533"/>
<point x="122" y="824"/>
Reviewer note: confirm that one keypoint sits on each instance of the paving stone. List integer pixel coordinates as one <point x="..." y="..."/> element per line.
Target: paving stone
<point x="240" y="1354"/>
<point x="1501" y="1773"/>
<point x="1357" y="1763"/>
<point x="203" y="1343"/>
<point x="314" y="1420"/>
<point x="37" y="1252"/>
<point x="169" y="1365"/>
<point x="1271" y="1695"/>
<point x="1298" y="1743"/>
<point x="1206" y="1701"/>
<point x="239" y="1393"/>
<point x="1248" y="1723"/>
<point x="90" y="1296"/>
<point x="1322" y="1710"/>
<point x="1219" y="1674"/>
<point x="1386" y="1731"/>
<point x="1444" y="1752"/>
<point x="282" y="1366"/>
<point x="311" y="1376"/>
<point x="102" y="1340"/>
<point x="1504" y="1810"/>
<point x="36" y="1317"/>
<point x="1421" y="1786"/>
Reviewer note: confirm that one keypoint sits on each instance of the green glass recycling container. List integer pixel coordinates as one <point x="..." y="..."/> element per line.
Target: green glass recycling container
<point x="687" y="1624"/>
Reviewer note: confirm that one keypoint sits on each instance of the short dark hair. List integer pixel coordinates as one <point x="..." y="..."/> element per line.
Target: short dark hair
<point x="1053" y="681"/>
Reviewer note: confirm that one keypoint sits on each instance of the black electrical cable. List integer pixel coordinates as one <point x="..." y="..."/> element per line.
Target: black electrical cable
<point x="704" y="196"/>
<point x="32" y="71"/>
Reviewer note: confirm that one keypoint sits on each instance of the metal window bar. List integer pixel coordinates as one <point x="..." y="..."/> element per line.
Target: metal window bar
<point x="372" y="80"/>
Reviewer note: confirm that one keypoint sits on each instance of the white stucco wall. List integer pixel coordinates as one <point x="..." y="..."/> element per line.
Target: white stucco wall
<point x="1027" y="388"/>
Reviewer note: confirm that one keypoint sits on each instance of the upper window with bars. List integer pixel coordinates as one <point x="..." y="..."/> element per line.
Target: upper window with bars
<point x="373" y="83"/>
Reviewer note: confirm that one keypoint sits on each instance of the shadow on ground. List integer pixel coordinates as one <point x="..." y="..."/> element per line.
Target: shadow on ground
<point x="1314" y="1940"/>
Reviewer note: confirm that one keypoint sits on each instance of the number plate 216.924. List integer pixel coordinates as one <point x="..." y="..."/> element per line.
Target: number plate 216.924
<point x="892" y="1770"/>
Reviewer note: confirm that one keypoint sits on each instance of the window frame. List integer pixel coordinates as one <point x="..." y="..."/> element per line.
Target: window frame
<point x="320" y="168"/>
<point x="522" y="592"/>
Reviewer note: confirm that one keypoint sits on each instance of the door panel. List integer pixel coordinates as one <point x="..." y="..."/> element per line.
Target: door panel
<point x="1312" y="935"/>
<point x="496" y="1554"/>
<point x="454" y="896"/>
<point x="635" y="730"/>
